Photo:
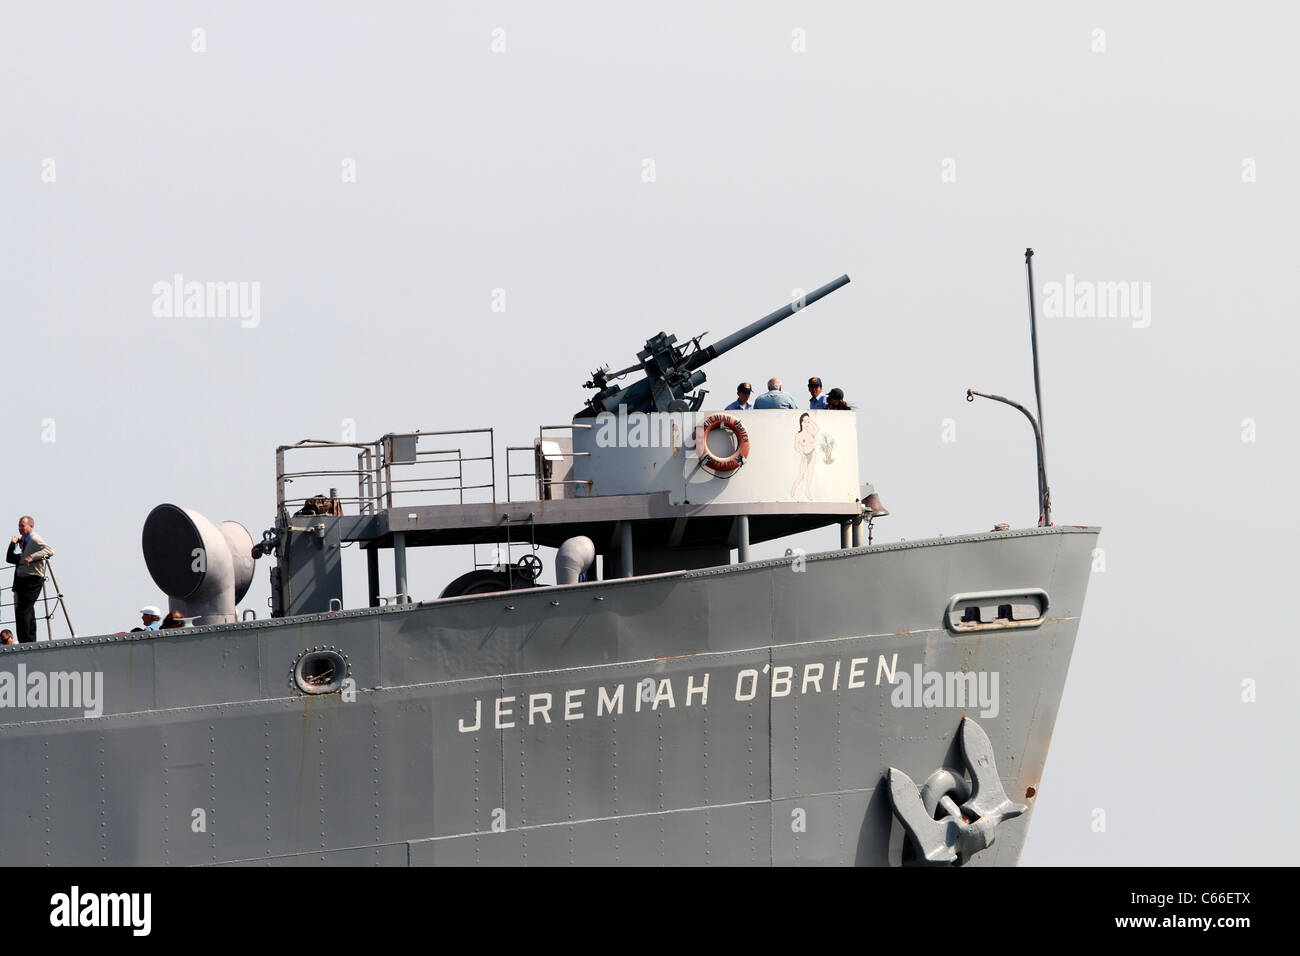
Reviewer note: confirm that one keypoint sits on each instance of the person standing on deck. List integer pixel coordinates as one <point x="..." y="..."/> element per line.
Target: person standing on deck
<point x="742" y="402"/>
<point x="774" y="397"/>
<point x="817" y="399"/>
<point x="28" y="553"/>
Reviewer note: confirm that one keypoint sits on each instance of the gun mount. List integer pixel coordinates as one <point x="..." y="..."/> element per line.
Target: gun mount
<point x="672" y="371"/>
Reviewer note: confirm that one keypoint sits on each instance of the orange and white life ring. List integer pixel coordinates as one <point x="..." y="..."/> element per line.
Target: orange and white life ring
<point x="732" y="426"/>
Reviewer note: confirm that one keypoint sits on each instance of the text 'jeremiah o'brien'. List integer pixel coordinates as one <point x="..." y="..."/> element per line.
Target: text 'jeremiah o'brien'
<point x="910" y="690"/>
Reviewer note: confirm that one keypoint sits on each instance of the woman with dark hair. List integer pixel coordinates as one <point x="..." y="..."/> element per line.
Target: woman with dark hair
<point x="805" y="444"/>
<point x="174" y="619"/>
<point x="835" y="399"/>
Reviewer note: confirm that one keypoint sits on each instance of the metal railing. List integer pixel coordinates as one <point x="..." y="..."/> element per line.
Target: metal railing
<point x="545" y="461"/>
<point x="532" y="474"/>
<point x="8" y="622"/>
<point x="396" y="466"/>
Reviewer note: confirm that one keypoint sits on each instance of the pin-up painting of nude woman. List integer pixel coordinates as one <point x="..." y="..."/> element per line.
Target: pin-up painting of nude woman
<point x="805" y="444"/>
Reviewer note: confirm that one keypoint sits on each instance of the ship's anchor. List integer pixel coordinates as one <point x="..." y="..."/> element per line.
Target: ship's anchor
<point x="970" y="814"/>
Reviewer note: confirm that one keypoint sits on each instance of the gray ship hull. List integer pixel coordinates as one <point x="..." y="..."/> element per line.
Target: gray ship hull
<point x="738" y="715"/>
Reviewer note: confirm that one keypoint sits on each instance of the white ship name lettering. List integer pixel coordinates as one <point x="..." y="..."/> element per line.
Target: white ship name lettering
<point x="673" y="693"/>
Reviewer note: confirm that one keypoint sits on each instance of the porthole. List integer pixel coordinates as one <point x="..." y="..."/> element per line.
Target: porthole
<point x="320" y="671"/>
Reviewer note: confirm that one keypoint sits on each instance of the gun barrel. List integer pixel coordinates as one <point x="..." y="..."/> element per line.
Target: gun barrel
<point x="729" y="342"/>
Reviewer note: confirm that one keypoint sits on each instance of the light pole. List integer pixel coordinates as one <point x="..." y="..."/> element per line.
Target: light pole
<point x="1044" y="492"/>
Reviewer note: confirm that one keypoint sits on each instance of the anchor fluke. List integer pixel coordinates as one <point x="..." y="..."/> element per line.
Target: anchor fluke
<point x="961" y="831"/>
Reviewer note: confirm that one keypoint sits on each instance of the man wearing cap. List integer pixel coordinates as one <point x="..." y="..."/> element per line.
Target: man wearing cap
<point x="28" y="551"/>
<point x="150" y="617"/>
<point x="774" y="397"/>
<point x="742" y="402"/>
<point x="815" y="390"/>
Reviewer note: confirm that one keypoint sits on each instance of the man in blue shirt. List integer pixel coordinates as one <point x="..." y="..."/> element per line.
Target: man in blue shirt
<point x="815" y="390"/>
<point x="742" y="402"/>
<point x="150" y="618"/>
<point x="774" y="397"/>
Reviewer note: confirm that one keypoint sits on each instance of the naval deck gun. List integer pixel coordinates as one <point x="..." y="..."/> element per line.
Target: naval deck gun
<point x="641" y="507"/>
<point x="672" y="372"/>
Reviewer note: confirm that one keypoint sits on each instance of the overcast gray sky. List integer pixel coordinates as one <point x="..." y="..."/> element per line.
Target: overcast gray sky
<point x="918" y="148"/>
